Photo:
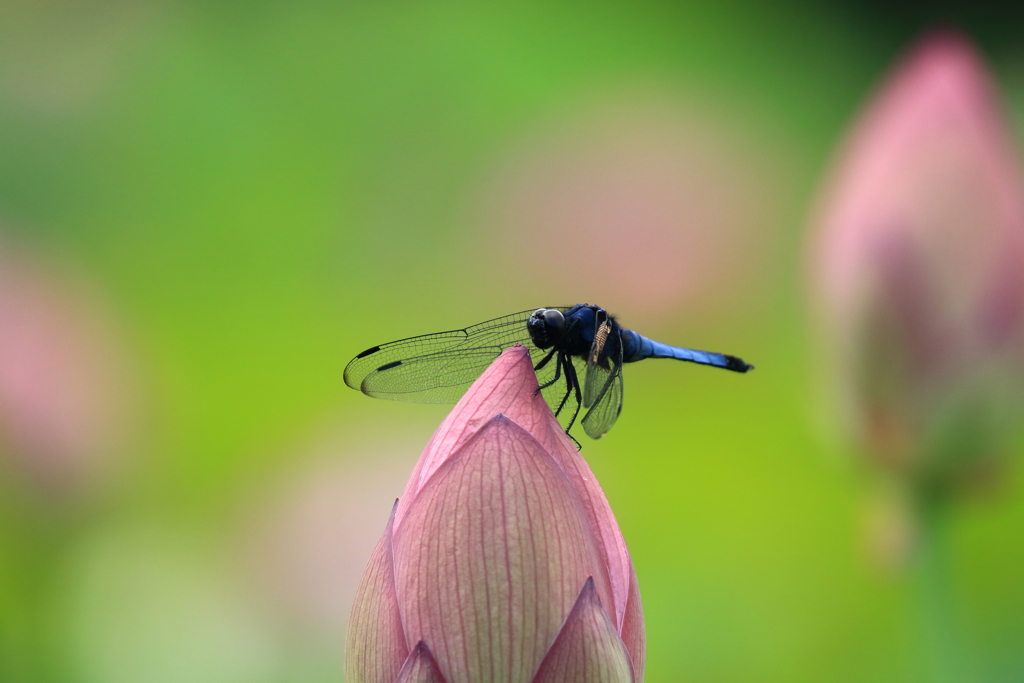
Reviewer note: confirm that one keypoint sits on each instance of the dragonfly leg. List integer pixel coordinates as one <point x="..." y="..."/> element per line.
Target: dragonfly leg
<point x="573" y="384"/>
<point x="562" y="404"/>
<point x="568" y="391"/>
<point x="558" y="371"/>
<point x="545" y="360"/>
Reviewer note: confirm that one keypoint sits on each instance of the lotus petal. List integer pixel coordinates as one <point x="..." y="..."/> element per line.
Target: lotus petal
<point x="376" y="648"/>
<point x="588" y="648"/>
<point x="632" y="629"/>
<point x="490" y="556"/>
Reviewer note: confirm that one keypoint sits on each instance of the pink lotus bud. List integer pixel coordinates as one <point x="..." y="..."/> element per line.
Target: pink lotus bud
<point x="502" y="561"/>
<point x="918" y="268"/>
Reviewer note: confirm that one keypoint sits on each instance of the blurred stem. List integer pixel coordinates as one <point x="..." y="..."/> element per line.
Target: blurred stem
<point x="944" y="646"/>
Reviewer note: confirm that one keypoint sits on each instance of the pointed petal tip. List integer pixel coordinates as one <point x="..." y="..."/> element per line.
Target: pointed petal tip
<point x="943" y="40"/>
<point x="950" y="57"/>
<point x="934" y="128"/>
<point x="508" y="386"/>
<point x="588" y="648"/>
<point x="505" y="387"/>
<point x="942" y="76"/>
<point x="514" y="354"/>
<point x="420" y="667"/>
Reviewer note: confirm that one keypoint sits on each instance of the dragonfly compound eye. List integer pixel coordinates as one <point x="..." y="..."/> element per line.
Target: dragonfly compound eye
<point x="546" y="326"/>
<point x="555" y="322"/>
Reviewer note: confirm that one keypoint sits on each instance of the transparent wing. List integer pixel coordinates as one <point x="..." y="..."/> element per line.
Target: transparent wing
<point x="605" y="411"/>
<point x="599" y="367"/>
<point x="603" y="386"/>
<point x="439" y="367"/>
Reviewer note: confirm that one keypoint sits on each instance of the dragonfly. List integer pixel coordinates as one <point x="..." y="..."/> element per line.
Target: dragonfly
<point x="578" y="353"/>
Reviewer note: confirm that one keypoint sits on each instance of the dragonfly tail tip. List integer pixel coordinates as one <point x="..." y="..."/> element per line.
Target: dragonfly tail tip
<point x="737" y="364"/>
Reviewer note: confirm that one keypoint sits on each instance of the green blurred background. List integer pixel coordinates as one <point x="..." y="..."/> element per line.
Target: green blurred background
<point x="224" y="202"/>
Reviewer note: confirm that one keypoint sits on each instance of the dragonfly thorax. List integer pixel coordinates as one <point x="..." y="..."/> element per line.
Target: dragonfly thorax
<point x="546" y="326"/>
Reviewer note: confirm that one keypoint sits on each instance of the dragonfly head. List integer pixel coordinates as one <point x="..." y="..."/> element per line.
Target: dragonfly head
<point x="546" y="326"/>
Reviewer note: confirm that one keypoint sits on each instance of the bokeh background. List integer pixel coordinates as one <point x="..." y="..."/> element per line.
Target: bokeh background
<point x="206" y="209"/>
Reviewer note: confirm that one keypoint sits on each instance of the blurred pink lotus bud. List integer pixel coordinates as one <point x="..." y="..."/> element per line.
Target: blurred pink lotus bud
<point x="502" y="561"/>
<point x="918" y="269"/>
<point x="670" y="189"/>
<point x="62" y="377"/>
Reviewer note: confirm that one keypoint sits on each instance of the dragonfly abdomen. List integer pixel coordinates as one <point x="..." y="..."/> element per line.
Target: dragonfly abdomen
<point x="638" y="347"/>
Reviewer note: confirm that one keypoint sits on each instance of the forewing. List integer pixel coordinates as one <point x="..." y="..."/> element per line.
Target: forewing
<point x="439" y="367"/>
<point x="437" y="378"/>
<point x="605" y="411"/>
